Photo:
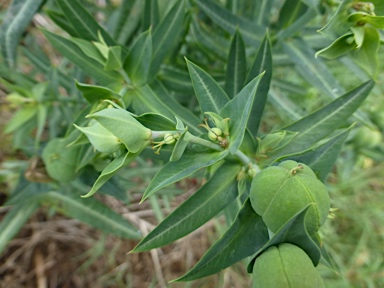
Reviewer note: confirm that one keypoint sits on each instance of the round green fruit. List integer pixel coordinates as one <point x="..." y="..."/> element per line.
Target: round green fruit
<point x="214" y="133"/>
<point x="285" y="266"/>
<point x="279" y="192"/>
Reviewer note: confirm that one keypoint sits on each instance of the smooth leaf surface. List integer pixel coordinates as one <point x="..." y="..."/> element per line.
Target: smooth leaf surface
<point x="244" y="237"/>
<point x="93" y="213"/>
<point x="14" y="23"/>
<point x="151" y="14"/>
<point x="261" y="63"/>
<point x="180" y="146"/>
<point x="238" y="110"/>
<point x="185" y="166"/>
<point x="210" y="199"/>
<point x="236" y="66"/>
<point x="94" y="94"/>
<point x="322" y="122"/>
<point x="338" y="48"/>
<point x="128" y="18"/>
<point x="21" y="117"/>
<point x="210" y="95"/>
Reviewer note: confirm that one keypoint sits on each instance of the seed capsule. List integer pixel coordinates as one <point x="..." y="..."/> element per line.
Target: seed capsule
<point x="214" y="133"/>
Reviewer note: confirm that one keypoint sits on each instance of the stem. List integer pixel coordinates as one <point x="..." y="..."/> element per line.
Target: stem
<point x="205" y="143"/>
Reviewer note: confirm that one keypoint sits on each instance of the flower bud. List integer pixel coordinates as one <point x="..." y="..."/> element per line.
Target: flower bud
<point x="214" y="133"/>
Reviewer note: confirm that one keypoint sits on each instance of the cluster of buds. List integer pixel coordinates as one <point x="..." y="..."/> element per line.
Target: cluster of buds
<point x="168" y="139"/>
<point x="220" y="132"/>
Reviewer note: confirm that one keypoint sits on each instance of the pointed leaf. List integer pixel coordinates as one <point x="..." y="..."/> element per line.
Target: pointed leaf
<point x="262" y="62"/>
<point x="94" y="94"/>
<point x="339" y="47"/>
<point x="114" y="59"/>
<point x="174" y="171"/>
<point x="244" y="237"/>
<point x="138" y="61"/>
<point x="251" y="32"/>
<point x="156" y="122"/>
<point x="324" y="121"/>
<point x="210" y="95"/>
<point x="20" y="118"/>
<point x="321" y="158"/>
<point x="93" y="213"/>
<point x="120" y="161"/>
<point x="210" y="199"/>
<point x="236" y="66"/>
<point x="84" y="23"/>
<point x="150" y="14"/>
<point x="14" y="23"/>
<point x="180" y="146"/>
<point x="238" y="110"/>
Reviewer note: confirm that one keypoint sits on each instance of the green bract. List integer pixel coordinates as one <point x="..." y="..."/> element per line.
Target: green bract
<point x="279" y="192"/>
<point x="125" y="127"/>
<point x="285" y="266"/>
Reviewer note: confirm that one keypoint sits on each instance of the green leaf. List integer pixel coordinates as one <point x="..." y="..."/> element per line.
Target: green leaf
<point x="294" y="232"/>
<point x="86" y="26"/>
<point x="338" y="24"/>
<point x="244" y="237"/>
<point x="21" y="117"/>
<point x="61" y="21"/>
<point x="210" y="95"/>
<point x="156" y="122"/>
<point x="150" y="14"/>
<point x="339" y="47"/>
<point x="138" y="61"/>
<point x="12" y="222"/>
<point x="262" y="62"/>
<point x="176" y="79"/>
<point x="174" y="171"/>
<point x="166" y="34"/>
<point x="210" y="199"/>
<point x="238" y="110"/>
<point x="125" y="127"/>
<point x="76" y="56"/>
<point x="361" y="18"/>
<point x="251" y="32"/>
<point x="290" y="12"/>
<point x="114" y="58"/>
<point x="324" y="121"/>
<point x="14" y="23"/>
<point x="89" y="49"/>
<point x="180" y="146"/>
<point x="321" y="158"/>
<point x="124" y="159"/>
<point x="236" y="66"/>
<point x="94" y="94"/>
<point x="93" y="213"/>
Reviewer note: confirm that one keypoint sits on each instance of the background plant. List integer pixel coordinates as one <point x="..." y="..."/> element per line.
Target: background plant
<point x="137" y="63"/>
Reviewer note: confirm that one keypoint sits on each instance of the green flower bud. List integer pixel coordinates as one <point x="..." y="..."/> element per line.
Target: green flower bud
<point x="279" y="192"/>
<point x="169" y="138"/>
<point x="214" y="133"/>
<point x="285" y="266"/>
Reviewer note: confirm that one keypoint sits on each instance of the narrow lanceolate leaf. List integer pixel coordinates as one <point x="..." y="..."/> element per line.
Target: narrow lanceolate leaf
<point x="14" y="220"/>
<point x="15" y="21"/>
<point x="138" y="61"/>
<point x="150" y="15"/>
<point x="324" y="121"/>
<point x="84" y="23"/>
<point x="110" y="170"/>
<point x="251" y="32"/>
<point x="204" y="204"/>
<point x="321" y="158"/>
<point x="94" y="94"/>
<point x="180" y="146"/>
<point x="262" y="62"/>
<point x="244" y="237"/>
<point x="166" y="35"/>
<point x="294" y="231"/>
<point x="93" y="213"/>
<point x="238" y="110"/>
<point x="174" y="171"/>
<point x="21" y="117"/>
<point x="73" y="53"/>
<point x="210" y="95"/>
<point x="236" y="66"/>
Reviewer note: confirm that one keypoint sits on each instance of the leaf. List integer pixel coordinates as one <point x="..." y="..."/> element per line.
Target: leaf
<point x="156" y="122"/>
<point x="210" y="199"/>
<point x="174" y="171"/>
<point x="236" y="66"/>
<point x="76" y="56"/>
<point x="21" y="117"/>
<point x="124" y="159"/>
<point x="294" y="232"/>
<point x="175" y="79"/>
<point x="262" y="62"/>
<point x="93" y="213"/>
<point x="290" y="12"/>
<point x="324" y="121"/>
<point x="180" y="146"/>
<point x="14" y="23"/>
<point x="60" y="20"/>
<point x="12" y="222"/>
<point x="339" y="47"/>
<point x="338" y="24"/>
<point x="94" y="94"/>
<point x="251" y="32"/>
<point x="361" y="18"/>
<point x="138" y="61"/>
<point x="166" y="34"/>
<point x="150" y="15"/>
<point x="114" y="59"/>
<point x="238" y="110"/>
<point x="86" y="26"/>
<point x="244" y="237"/>
<point x="321" y="158"/>
<point x="210" y="95"/>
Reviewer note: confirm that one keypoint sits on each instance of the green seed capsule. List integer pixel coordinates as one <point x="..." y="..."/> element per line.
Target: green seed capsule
<point x="214" y="133"/>
<point x="169" y="139"/>
<point x="279" y="192"/>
